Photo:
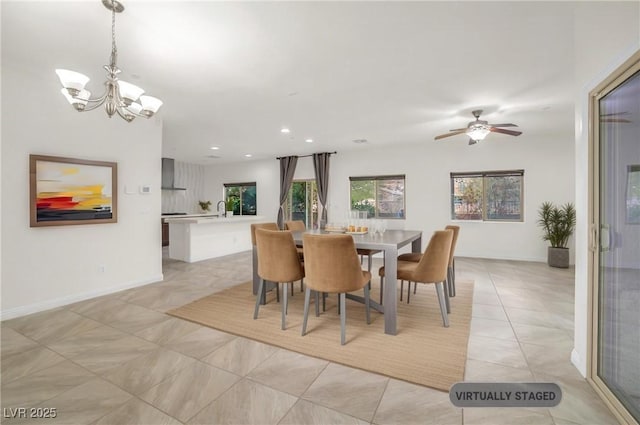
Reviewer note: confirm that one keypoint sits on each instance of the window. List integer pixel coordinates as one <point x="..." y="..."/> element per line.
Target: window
<point x="488" y="196"/>
<point x="380" y="196"/>
<point x="302" y="202"/>
<point x="241" y="198"/>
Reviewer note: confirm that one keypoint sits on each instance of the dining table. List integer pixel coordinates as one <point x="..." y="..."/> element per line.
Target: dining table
<point x="389" y="242"/>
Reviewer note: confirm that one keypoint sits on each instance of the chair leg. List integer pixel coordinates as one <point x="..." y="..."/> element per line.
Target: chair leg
<point x="446" y="296"/>
<point x="307" y="296"/>
<point x="453" y="279"/>
<point x="277" y="294"/>
<point x="409" y="292"/>
<point x="316" y="295"/>
<point x="302" y="285"/>
<point x="343" y="319"/>
<point x="381" y="288"/>
<point x="366" y="303"/>
<point x="443" y="307"/>
<point x="258" y="298"/>
<point x="415" y="287"/>
<point x="284" y="306"/>
<point x="324" y="302"/>
<point x="292" y="291"/>
<point x="402" y="288"/>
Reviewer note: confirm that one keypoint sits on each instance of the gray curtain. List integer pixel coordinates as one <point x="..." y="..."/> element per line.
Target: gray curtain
<point x="321" y="168"/>
<point x="287" y="169"/>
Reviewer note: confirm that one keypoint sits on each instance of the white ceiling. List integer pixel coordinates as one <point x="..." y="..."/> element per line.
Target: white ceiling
<point x="232" y="74"/>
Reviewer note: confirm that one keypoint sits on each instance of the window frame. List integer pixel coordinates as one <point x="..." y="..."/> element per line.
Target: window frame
<point x="484" y="175"/>
<point x="241" y="186"/>
<point x="376" y="179"/>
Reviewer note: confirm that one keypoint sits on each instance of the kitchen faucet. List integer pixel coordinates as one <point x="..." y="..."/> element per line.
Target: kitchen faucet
<point x="224" y="205"/>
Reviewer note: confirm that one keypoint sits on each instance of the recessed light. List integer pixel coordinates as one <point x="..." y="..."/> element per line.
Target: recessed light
<point x="309" y="140"/>
<point x="248" y="155"/>
<point x="360" y="141"/>
<point x="285" y="130"/>
<point x="214" y="148"/>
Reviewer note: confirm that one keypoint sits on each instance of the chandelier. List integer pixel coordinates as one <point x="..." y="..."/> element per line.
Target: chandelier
<point x="125" y="99"/>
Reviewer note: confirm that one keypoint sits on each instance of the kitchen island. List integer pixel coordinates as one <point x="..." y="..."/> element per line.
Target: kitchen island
<point x="200" y="238"/>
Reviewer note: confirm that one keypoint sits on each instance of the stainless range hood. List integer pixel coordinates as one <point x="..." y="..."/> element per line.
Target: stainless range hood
<point x="168" y="175"/>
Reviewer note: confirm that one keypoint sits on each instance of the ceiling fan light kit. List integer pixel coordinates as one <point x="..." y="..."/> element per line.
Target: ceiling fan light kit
<point x="121" y="97"/>
<point x="477" y="130"/>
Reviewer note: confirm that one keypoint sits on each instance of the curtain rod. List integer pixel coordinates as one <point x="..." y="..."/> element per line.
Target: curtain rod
<point x="304" y="156"/>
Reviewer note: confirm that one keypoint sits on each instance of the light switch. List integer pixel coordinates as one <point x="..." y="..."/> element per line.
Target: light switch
<point x="145" y="189"/>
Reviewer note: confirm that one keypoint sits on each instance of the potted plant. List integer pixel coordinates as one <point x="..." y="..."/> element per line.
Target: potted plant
<point x="205" y="206"/>
<point x="557" y="224"/>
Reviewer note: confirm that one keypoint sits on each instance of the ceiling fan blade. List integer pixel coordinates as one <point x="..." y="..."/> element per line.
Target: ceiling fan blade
<point x="502" y="125"/>
<point x="503" y="131"/>
<point x="459" y="129"/>
<point x="615" y="113"/>
<point x="442" y="136"/>
<point x="618" y="120"/>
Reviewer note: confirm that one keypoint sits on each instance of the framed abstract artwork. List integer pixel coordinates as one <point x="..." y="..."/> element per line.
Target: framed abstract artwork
<point x="66" y="191"/>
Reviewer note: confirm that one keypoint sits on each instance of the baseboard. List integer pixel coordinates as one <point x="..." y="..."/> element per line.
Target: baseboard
<point x="576" y="359"/>
<point x="12" y="313"/>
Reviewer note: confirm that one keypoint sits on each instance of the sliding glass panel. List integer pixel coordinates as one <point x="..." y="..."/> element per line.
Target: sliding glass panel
<point x="619" y="254"/>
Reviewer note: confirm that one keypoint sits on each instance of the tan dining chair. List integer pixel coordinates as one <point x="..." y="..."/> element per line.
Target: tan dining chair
<point x="297" y="226"/>
<point x="278" y="262"/>
<point x="332" y="266"/>
<point x="268" y="226"/>
<point x="274" y="226"/>
<point x="432" y="268"/>
<point x="450" y="284"/>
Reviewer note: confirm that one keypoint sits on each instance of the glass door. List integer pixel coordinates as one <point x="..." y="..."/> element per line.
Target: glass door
<point x="302" y="203"/>
<point x="616" y="243"/>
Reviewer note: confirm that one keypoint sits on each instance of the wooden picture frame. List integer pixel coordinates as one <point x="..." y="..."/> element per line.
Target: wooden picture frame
<point x="68" y="191"/>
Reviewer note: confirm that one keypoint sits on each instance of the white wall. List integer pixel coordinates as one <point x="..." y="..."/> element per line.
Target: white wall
<point x="49" y="266"/>
<point x="191" y="177"/>
<point x="604" y="38"/>
<point x="427" y="167"/>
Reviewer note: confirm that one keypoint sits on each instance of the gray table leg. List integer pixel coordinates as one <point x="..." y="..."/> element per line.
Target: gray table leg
<point x="416" y="246"/>
<point x="256" y="278"/>
<point x="390" y="289"/>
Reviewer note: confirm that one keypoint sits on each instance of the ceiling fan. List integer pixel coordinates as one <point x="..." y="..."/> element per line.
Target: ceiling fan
<point x="477" y="130"/>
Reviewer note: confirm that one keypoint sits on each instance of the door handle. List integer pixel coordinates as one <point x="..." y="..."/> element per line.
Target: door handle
<point x="605" y="237"/>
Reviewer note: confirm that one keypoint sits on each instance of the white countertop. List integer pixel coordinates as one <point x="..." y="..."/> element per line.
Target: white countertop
<point x="188" y="215"/>
<point x="208" y="219"/>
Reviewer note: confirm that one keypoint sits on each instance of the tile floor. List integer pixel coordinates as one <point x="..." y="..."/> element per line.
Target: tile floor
<point x="118" y="359"/>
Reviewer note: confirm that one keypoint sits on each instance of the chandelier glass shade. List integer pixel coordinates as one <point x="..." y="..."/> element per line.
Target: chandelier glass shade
<point x="120" y="97"/>
<point x="478" y="132"/>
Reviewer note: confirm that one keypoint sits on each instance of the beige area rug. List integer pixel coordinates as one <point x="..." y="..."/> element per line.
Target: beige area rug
<point x="423" y="352"/>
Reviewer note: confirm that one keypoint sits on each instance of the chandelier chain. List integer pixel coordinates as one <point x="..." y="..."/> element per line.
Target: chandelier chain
<point x="114" y="48"/>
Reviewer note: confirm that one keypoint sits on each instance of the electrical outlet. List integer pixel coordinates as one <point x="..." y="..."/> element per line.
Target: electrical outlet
<point x="102" y="268"/>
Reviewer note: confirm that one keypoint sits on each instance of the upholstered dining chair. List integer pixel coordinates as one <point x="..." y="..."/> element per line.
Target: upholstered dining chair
<point x="450" y="284"/>
<point x="268" y="226"/>
<point x="432" y="268"/>
<point x="297" y="226"/>
<point x="278" y="262"/>
<point x="332" y="266"/>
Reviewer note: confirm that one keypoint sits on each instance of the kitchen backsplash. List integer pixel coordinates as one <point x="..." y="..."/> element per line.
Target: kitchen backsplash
<point x="190" y="176"/>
